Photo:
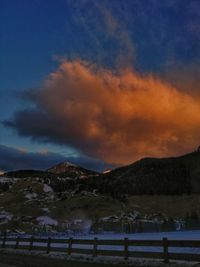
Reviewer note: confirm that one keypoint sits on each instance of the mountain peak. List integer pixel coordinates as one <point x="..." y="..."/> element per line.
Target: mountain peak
<point x="71" y="170"/>
<point x="62" y="167"/>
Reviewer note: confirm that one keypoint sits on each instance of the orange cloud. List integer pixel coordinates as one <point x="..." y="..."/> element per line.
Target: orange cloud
<point x="117" y="117"/>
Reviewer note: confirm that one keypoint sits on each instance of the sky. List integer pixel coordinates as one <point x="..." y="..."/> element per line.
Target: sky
<point x="98" y="83"/>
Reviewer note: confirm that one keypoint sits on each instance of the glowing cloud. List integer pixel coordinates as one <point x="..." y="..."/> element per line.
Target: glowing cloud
<point x="118" y="117"/>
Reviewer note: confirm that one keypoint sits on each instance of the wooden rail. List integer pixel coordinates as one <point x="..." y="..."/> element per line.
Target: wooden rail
<point x="95" y="247"/>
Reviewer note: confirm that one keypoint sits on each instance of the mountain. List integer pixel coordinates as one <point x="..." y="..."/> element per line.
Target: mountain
<point x="70" y="170"/>
<point x="168" y="176"/>
<point x="177" y="175"/>
<point x="63" y="169"/>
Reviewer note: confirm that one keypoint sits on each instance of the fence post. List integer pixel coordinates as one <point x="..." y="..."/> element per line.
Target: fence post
<point x="17" y="243"/>
<point x="31" y="243"/>
<point x="48" y="244"/>
<point x="4" y="240"/>
<point x="70" y="246"/>
<point x="95" y="247"/>
<point x="126" y="248"/>
<point x="165" y="250"/>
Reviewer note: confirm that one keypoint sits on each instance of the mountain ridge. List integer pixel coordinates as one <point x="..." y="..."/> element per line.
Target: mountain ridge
<point x="172" y="175"/>
<point x="70" y="164"/>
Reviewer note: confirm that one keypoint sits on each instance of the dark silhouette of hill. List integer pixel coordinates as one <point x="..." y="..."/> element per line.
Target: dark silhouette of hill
<point x="26" y="174"/>
<point x="170" y="176"/>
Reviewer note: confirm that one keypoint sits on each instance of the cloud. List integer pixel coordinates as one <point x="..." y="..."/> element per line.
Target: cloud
<point x="17" y="158"/>
<point x="115" y="116"/>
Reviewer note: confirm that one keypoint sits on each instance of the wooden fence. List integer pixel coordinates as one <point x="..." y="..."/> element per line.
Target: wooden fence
<point x="95" y="247"/>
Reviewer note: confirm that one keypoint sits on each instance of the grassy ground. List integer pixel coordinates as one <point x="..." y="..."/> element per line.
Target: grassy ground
<point x="38" y="261"/>
<point x="7" y="265"/>
<point x="172" y="206"/>
<point x="17" y="260"/>
<point x="90" y="207"/>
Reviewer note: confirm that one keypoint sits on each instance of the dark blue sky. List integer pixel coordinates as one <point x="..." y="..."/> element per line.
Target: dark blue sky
<point x="153" y="37"/>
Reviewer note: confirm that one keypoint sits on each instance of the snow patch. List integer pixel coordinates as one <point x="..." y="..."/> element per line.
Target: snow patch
<point x="4" y="179"/>
<point x="107" y="171"/>
<point x="67" y="163"/>
<point x="46" y="220"/>
<point x="47" y="188"/>
<point x="5" y="217"/>
<point x="45" y="209"/>
<point x="31" y="196"/>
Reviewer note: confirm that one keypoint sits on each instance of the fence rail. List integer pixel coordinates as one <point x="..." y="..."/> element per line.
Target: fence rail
<point x="95" y="247"/>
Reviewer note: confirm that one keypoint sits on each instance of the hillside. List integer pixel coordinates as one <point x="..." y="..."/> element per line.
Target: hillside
<point x="157" y="189"/>
<point x="62" y="177"/>
<point x="169" y="176"/>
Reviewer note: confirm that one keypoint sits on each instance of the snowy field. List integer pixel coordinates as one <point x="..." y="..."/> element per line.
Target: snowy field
<point x="179" y="235"/>
<point x="184" y="235"/>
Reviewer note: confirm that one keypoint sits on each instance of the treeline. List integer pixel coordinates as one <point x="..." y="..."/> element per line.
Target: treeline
<point x="157" y="177"/>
